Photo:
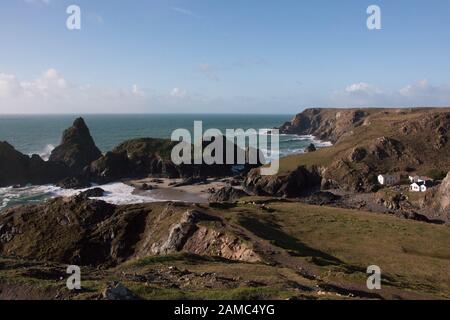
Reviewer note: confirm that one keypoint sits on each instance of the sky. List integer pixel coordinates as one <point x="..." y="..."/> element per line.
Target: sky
<point x="222" y="56"/>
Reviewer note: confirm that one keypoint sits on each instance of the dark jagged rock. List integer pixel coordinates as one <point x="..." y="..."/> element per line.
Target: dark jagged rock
<point x="290" y="185"/>
<point x="311" y="148"/>
<point x="14" y="166"/>
<point x="93" y="193"/>
<point x="77" y="148"/>
<point x="148" y="156"/>
<point x="19" y="169"/>
<point x="227" y="194"/>
<point x="145" y="187"/>
<point x="74" y="182"/>
<point x="112" y="166"/>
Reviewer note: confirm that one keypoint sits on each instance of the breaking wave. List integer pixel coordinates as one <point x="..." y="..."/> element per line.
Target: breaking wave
<point x="45" y="152"/>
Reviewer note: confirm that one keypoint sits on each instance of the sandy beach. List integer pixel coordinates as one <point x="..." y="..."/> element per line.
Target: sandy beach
<point x="165" y="189"/>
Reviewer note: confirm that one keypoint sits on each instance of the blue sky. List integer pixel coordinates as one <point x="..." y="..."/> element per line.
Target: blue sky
<point x="221" y="56"/>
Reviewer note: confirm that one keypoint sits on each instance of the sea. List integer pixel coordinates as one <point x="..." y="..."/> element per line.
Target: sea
<point x="39" y="134"/>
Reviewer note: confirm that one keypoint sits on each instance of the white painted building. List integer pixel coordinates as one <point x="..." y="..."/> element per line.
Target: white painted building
<point x="418" y="187"/>
<point x="419" y="179"/>
<point x="387" y="180"/>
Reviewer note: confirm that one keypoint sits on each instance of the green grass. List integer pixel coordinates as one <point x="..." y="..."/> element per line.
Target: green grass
<point x="343" y="243"/>
<point x="243" y="293"/>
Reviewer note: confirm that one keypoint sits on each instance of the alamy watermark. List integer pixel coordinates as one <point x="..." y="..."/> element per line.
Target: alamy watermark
<point x="374" y="19"/>
<point x="235" y="147"/>
<point x="374" y="280"/>
<point x="74" y="280"/>
<point x="73" y="22"/>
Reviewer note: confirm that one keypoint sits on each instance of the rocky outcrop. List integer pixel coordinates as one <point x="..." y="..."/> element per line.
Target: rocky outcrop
<point x="77" y="161"/>
<point x="74" y="182"/>
<point x="179" y="234"/>
<point x="442" y="200"/>
<point x="81" y="231"/>
<point x="311" y="148"/>
<point x="93" y="193"/>
<point x="227" y="194"/>
<point x="19" y="169"/>
<point x="77" y="148"/>
<point x="355" y="177"/>
<point x="117" y="291"/>
<point x="293" y="184"/>
<point x="148" y="156"/>
<point x="110" y="167"/>
<point x="326" y="124"/>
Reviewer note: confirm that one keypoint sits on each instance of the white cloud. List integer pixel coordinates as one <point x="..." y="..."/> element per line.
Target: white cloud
<point x="52" y="93"/>
<point x="417" y="94"/>
<point x="49" y="84"/>
<point x="178" y="93"/>
<point x="362" y="88"/>
<point x="9" y="85"/>
<point x="137" y="91"/>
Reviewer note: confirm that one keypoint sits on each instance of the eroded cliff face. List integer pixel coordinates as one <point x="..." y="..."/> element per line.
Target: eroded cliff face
<point x="89" y="232"/>
<point x="325" y="124"/>
<point x="368" y="142"/>
<point x="442" y="200"/>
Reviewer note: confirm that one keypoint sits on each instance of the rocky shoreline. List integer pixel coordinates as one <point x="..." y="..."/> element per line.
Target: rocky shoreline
<point x="77" y="162"/>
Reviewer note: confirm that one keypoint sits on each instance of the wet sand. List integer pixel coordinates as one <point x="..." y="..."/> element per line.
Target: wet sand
<point x="165" y="191"/>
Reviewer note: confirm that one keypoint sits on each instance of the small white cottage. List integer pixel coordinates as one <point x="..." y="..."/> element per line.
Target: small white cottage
<point x="418" y="187"/>
<point x="387" y="180"/>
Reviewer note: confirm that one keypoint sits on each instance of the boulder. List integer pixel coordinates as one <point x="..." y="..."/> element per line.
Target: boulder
<point x="77" y="148"/>
<point x="74" y="182"/>
<point x="117" y="291"/>
<point x="93" y="193"/>
<point x="227" y="194"/>
<point x="145" y="187"/>
<point x="311" y="148"/>
<point x="297" y="183"/>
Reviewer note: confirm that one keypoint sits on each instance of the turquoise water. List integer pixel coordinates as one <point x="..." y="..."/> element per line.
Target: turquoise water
<point x="41" y="133"/>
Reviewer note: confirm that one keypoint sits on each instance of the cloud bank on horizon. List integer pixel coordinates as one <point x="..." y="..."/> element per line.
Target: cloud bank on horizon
<point x="52" y="93"/>
<point x="208" y="56"/>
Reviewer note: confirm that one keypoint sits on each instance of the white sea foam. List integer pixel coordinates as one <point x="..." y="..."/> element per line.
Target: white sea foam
<point x="45" y="152"/>
<point x="115" y="193"/>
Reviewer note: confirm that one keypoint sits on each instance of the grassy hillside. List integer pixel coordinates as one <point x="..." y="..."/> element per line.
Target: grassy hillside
<point x="417" y="129"/>
<point x="307" y="252"/>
